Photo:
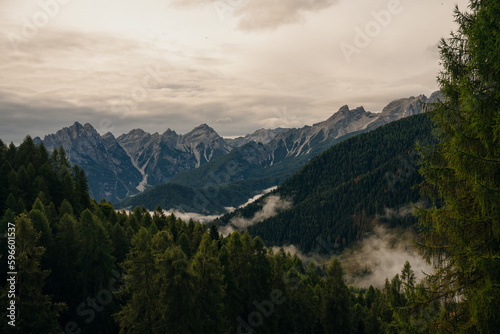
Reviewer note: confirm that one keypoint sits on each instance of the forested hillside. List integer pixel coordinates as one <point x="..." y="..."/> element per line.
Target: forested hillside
<point x="82" y="267"/>
<point x="71" y="264"/>
<point x="228" y="181"/>
<point x="339" y="194"/>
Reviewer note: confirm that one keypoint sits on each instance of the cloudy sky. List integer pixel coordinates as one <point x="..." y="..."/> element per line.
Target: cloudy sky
<point x="237" y="65"/>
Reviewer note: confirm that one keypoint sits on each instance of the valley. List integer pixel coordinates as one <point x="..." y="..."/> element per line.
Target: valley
<point x="227" y="172"/>
<point x="250" y="167"/>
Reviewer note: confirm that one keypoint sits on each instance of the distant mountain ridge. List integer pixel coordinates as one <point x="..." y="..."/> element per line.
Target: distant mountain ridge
<point x="110" y="171"/>
<point x="342" y="192"/>
<point x="249" y="169"/>
<point x="124" y="166"/>
<point x="159" y="157"/>
<point x="127" y="165"/>
<point x="263" y="136"/>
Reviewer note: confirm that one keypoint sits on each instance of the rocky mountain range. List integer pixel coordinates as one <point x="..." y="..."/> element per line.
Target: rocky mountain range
<point x="337" y="196"/>
<point x="110" y="171"/>
<point x="289" y="149"/>
<point x="249" y="169"/>
<point x="263" y="136"/>
<point x="159" y="157"/>
<point x="120" y="167"/>
<point x="125" y="166"/>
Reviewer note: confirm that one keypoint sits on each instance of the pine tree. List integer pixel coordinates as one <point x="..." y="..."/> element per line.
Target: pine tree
<point x="184" y="244"/>
<point x="96" y="250"/>
<point x="36" y="313"/>
<point x="96" y="263"/>
<point x="26" y="152"/>
<point x="177" y="295"/>
<point x="408" y="279"/>
<point x="336" y="304"/>
<point x="41" y="224"/>
<point x="68" y="190"/>
<point x="213" y="232"/>
<point x="209" y="289"/>
<point x="140" y="314"/>
<point x="38" y="205"/>
<point x="462" y="174"/>
<point x="159" y="218"/>
<point x="65" y="270"/>
<point x="65" y="208"/>
<point x="120" y="243"/>
<point x="23" y="182"/>
<point x="82" y="200"/>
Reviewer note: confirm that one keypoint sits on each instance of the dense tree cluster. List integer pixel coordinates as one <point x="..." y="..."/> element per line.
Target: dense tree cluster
<point x="462" y="175"/>
<point x="86" y="268"/>
<point x="83" y="267"/>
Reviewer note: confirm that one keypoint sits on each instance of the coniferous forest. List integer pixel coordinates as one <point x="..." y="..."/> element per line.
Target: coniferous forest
<point x="71" y="264"/>
<point x="85" y="268"/>
<point x="340" y="192"/>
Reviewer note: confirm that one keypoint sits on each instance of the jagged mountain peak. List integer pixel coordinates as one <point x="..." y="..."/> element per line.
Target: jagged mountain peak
<point x="262" y="135"/>
<point x="201" y="128"/>
<point x="344" y="112"/>
<point x="169" y="132"/>
<point x="344" y="109"/>
<point x="77" y="126"/>
<point x="109" y="170"/>
<point x="137" y="159"/>
<point x="204" y="125"/>
<point x="202" y="132"/>
<point x="135" y="133"/>
<point x="108" y="136"/>
<point x="72" y="133"/>
<point x="405" y="107"/>
<point x="437" y="95"/>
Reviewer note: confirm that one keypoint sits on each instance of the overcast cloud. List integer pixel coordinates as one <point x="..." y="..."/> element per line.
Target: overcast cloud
<point x="262" y="14"/>
<point x="237" y="65"/>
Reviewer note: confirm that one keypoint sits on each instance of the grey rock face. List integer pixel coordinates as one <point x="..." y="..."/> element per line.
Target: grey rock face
<point x="124" y="166"/>
<point x="159" y="157"/>
<point x="109" y="169"/>
<point x="263" y="136"/>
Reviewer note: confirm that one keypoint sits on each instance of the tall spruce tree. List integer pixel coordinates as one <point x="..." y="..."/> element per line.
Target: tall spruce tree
<point x="36" y="313"/>
<point x="336" y="304"/>
<point x="209" y="289"/>
<point x="177" y="294"/>
<point x="140" y="315"/>
<point x="462" y="174"/>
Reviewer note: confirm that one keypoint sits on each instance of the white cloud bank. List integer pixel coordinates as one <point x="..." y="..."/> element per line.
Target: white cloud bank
<point x="273" y="204"/>
<point x="383" y="255"/>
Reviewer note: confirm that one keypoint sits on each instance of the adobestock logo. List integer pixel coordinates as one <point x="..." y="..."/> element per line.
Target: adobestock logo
<point x="363" y="36"/>
<point x="224" y="7"/>
<point x="48" y="10"/>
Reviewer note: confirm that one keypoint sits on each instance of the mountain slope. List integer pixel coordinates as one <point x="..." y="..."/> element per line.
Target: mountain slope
<point x="339" y="193"/>
<point x="263" y="136"/>
<point x="124" y="166"/>
<point x="289" y="150"/>
<point x="249" y="169"/>
<point x="159" y="157"/>
<point x="109" y="169"/>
